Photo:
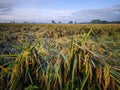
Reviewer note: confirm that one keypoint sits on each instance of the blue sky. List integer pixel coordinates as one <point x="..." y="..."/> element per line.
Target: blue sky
<point x="69" y="4"/>
<point x="59" y="10"/>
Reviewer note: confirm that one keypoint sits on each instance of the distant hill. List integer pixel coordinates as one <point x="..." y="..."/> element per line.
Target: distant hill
<point x="97" y="21"/>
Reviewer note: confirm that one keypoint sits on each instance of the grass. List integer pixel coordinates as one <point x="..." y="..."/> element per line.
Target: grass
<point x="71" y="62"/>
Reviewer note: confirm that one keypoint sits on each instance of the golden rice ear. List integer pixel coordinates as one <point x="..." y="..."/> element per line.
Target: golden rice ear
<point x="106" y="76"/>
<point x="79" y="62"/>
<point x="113" y="83"/>
<point x="99" y="74"/>
<point x="86" y="60"/>
<point x="91" y="72"/>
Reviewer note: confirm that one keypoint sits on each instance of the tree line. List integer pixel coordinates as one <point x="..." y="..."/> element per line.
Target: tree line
<point x="96" y="21"/>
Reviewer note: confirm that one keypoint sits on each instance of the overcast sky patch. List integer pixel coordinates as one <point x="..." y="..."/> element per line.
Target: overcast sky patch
<point x="13" y="10"/>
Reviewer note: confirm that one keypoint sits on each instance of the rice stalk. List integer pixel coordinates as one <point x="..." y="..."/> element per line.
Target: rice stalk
<point x="74" y="71"/>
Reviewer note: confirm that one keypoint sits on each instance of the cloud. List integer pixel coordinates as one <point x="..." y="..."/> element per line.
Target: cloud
<point x="109" y="14"/>
<point x="7" y="5"/>
<point x="46" y="15"/>
<point x="36" y="15"/>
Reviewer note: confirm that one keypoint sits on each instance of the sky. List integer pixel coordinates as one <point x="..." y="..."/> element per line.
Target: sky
<point x="59" y="10"/>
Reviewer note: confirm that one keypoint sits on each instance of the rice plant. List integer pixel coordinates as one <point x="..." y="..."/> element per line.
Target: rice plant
<point x="76" y="67"/>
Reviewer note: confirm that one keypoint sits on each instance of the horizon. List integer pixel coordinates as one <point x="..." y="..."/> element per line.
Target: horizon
<point x="45" y="10"/>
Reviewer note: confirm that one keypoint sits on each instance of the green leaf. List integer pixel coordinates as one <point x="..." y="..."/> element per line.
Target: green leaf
<point x="87" y="35"/>
<point x="84" y="81"/>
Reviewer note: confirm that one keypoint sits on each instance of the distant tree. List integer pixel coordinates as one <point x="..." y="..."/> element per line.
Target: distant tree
<point x="53" y="22"/>
<point x="96" y="21"/>
<point x="104" y="22"/>
<point x="12" y="22"/>
<point x="70" y="22"/>
<point x="25" y="22"/>
<point x="59" y="22"/>
<point x="75" y="22"/>
<point x="115" y="22"/>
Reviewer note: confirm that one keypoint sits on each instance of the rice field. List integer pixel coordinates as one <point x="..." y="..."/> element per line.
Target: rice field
<point x="59" y="56"/>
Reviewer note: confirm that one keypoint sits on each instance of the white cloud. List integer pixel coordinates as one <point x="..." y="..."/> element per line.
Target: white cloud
<point x="46" y="15"/>
<point x="109" y="14"/>
<point x="6" y="6"/>
<point x="9" y="3"/>
<point x="36" y="15"/>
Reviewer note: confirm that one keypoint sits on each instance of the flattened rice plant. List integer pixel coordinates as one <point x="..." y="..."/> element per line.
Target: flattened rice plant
<point x="76" y="68"/>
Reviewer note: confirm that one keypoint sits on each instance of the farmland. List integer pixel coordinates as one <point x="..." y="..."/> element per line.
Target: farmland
<point x="60" y="56"/>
